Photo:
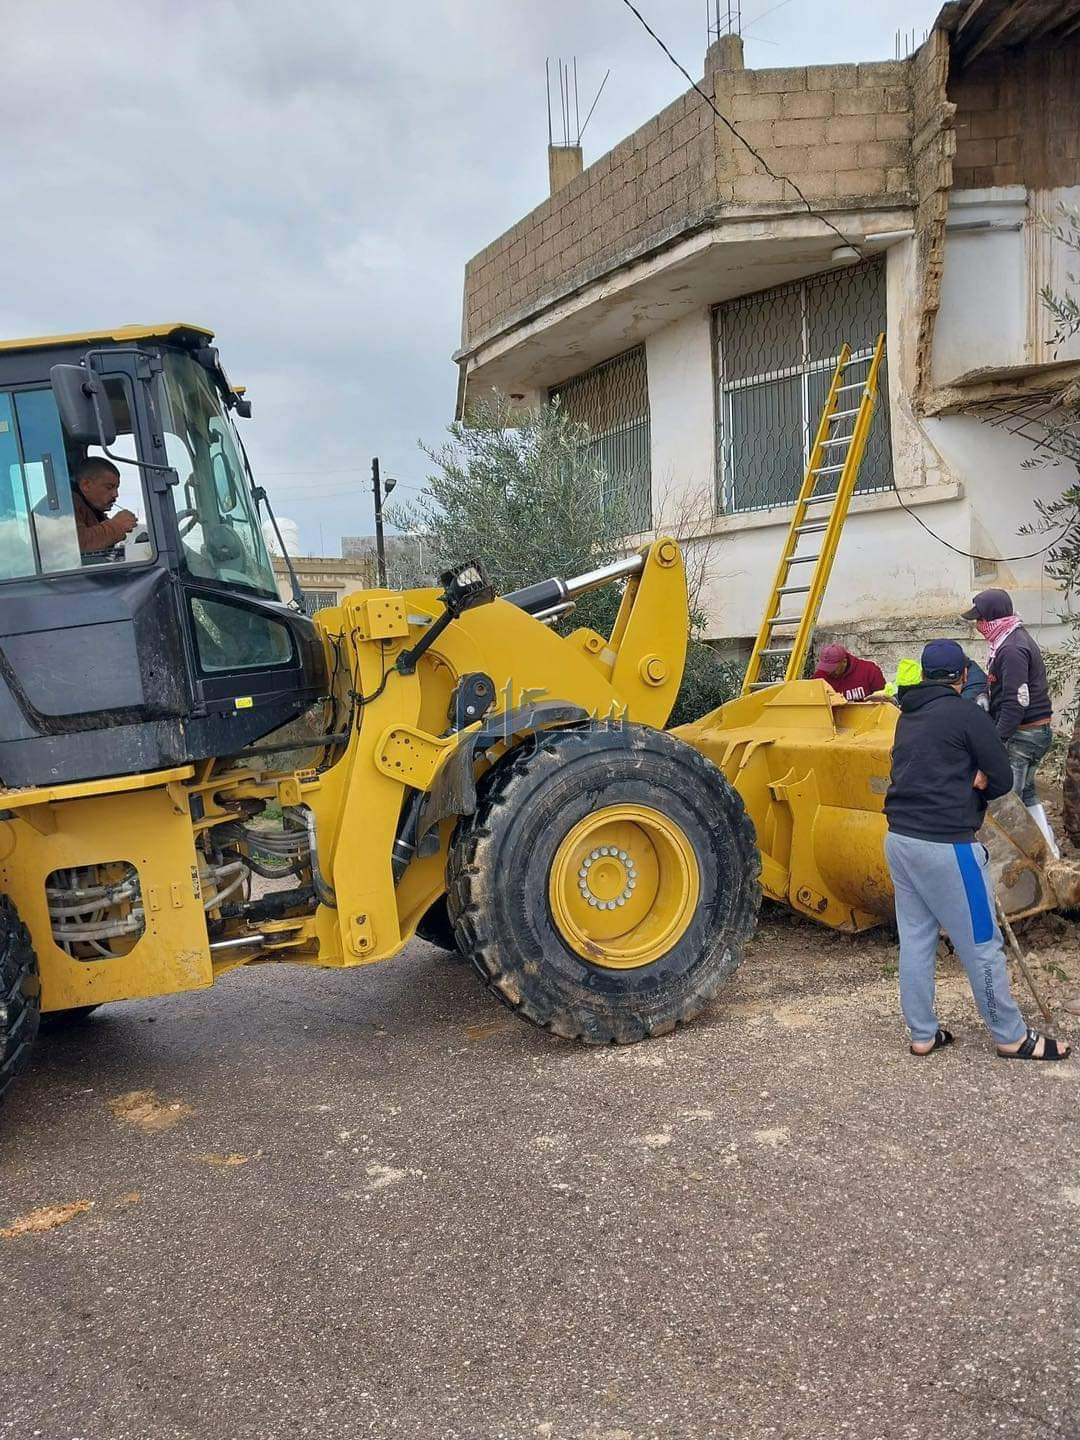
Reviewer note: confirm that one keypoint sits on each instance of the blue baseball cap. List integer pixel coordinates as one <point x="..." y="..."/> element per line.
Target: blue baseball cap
<point x="943" y="660"/>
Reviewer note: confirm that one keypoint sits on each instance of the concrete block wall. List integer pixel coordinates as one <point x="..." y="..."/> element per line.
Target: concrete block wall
<point x="1018" y="119"/>
<point x="662" y="173"/>
<point x="841" y="132"/>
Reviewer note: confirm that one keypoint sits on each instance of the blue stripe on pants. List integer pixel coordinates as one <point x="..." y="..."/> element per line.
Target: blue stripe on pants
<point x="942" y="886"/>
<point x="982" y="922"/>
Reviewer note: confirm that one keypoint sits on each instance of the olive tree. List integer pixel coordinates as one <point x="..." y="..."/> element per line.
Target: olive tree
<point x="526" y="495"/>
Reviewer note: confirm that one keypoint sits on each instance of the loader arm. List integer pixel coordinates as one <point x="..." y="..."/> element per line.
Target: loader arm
<point x="399" y="743"/>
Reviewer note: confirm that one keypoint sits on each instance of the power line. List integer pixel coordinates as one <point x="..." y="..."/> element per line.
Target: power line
<point x="785" y="179"/>
<point x="761" y="15"/>
<point x="970" y="554"/>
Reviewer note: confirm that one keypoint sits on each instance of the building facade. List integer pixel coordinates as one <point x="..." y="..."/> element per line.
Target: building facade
<point x="688" y="306"/>
<point x="324" y="580"/>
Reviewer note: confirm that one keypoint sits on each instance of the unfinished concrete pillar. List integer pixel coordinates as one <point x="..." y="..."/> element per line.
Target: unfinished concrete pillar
<point x="564" y="164"/>
<point x="726" y="53"/>
<point x="723" y="60"/>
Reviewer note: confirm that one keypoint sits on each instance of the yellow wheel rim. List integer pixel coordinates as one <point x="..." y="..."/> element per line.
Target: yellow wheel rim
<point x="624" y="886"/>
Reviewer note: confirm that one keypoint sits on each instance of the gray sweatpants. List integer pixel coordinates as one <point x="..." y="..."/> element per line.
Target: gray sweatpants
<point x="941" y="886"/>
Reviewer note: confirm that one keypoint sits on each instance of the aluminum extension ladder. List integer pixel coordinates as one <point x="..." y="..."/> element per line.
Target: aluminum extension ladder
<point x="794" y="602"/>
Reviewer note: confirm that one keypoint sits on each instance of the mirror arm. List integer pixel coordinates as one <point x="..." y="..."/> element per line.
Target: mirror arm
<point x="97" y="395"/>
<point x="261" y="498"/>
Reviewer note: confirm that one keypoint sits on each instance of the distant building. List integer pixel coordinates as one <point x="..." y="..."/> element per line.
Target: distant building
<point x="407" y="557"/>
<point x="324" y="579"/>
<point x="685" y="304"/>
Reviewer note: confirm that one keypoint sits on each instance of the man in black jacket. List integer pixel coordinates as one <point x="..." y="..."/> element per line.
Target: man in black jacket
<point x="947" y="764"/>
<point x="1019" y="696"/>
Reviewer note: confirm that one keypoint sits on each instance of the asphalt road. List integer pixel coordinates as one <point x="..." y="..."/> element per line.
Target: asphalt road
<point x="377" y="1205"/>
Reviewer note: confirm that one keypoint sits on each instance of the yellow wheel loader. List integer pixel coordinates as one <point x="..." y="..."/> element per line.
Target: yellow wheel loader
<point x="813" y="769"/>
<point x="463" y="769"/>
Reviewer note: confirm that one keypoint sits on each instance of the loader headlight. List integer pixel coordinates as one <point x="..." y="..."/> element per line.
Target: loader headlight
<point x="465" y="587"/>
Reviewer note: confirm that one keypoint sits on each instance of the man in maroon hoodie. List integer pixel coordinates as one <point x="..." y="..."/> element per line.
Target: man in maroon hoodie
<point x="851" y="677"/>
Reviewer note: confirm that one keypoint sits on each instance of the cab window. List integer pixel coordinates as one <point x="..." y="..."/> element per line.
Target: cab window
<point x="43" y="529"/>
<point x="232" y="638"/>
<point x="215" y="509"/>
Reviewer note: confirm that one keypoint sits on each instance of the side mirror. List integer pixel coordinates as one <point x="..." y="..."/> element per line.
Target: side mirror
<point x="81" y="399"/>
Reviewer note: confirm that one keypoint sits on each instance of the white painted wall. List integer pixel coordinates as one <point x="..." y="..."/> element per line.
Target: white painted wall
<point x="983" y="319"/>
<point x="1001" y="496"/>
<point x="886" y="568"/>
<point x="992" y="313"/>
<point x="681" y="407"/>
<point x="962" y="477"/>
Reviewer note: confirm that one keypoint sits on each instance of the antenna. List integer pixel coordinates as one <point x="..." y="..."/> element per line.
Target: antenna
<point x="568" y="104"/>
<point x="723" y="17"/>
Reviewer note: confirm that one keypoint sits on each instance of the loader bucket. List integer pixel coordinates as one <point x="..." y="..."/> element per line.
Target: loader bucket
<point x="813" y="769"/>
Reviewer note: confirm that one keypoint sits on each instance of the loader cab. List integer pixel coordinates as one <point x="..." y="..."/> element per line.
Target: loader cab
<point x="126" y="653"/>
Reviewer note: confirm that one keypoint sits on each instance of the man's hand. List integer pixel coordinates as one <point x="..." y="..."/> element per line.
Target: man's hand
<point x="980" y="781"/>
<point x="124" y="521"/>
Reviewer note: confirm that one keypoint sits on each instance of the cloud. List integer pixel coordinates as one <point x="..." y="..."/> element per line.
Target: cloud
<point x="309" y="180"/>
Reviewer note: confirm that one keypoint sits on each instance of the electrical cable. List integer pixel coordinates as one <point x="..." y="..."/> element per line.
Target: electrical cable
<point x="762" y="14"/>
<point x="362" y="700"/>
<point x="785" y="179"/>
<point x="970" y="554"/>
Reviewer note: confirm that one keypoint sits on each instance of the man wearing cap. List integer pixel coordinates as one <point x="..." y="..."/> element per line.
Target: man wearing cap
<point x="948" y="762"/>
<point x="1019" y="696"/>
<point x="849" y="676"/>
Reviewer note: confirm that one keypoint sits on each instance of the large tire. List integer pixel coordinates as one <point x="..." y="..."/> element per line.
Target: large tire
<point x="515" y="868"/>
<point x="20" y="995"/>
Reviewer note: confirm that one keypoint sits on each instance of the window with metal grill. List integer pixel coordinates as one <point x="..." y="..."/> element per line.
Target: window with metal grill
<point x="612" y="399"/>
<point x="318" y="600"/>
<point x="776" y="352"/>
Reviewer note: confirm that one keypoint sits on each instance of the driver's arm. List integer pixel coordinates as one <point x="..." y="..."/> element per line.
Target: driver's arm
<point x="96" y="535"/>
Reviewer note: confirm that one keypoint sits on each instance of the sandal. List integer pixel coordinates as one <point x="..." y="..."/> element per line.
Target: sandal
<point x="1051" y="1049"/>
<point x="941" y="1039"/>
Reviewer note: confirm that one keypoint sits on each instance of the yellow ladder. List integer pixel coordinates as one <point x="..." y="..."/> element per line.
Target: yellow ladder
<point x="835" y="452"/>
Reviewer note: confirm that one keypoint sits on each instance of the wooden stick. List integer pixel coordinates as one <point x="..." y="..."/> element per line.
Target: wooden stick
<point x="1018" y="955"/>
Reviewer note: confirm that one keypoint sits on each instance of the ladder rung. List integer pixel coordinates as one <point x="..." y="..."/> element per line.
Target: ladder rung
<point x="778" y="620"/>
<point x="843" y="414"/>
<point x="827" y="470"/>
<point x="794" y="590"/>
<point x="811" y="529"/>
<point x="764" y="684"/>
<point x="859" y="385"/>
<point x="839" y="440"/>
<point x="775" y="652"/>
<point x="803" y="559"/>
<point x="820" y="499"/>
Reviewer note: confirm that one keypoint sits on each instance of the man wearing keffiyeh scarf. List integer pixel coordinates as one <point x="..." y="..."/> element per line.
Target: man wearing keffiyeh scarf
<point x="1019" y="696"/>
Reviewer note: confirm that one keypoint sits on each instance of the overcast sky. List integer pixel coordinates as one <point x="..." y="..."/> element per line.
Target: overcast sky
<point x="309" y="178"/>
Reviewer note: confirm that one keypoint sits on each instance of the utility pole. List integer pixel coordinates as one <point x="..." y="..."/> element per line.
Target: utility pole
<point x="380" y="493"/>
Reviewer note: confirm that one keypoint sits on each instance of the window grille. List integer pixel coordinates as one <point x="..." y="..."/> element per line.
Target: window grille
<point x="612" y="399"/>
<point x="318" y="600"/>
<point x="776" y="352"/>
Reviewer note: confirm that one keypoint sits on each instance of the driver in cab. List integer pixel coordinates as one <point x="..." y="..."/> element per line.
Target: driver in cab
<point x="97" y="483"/>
